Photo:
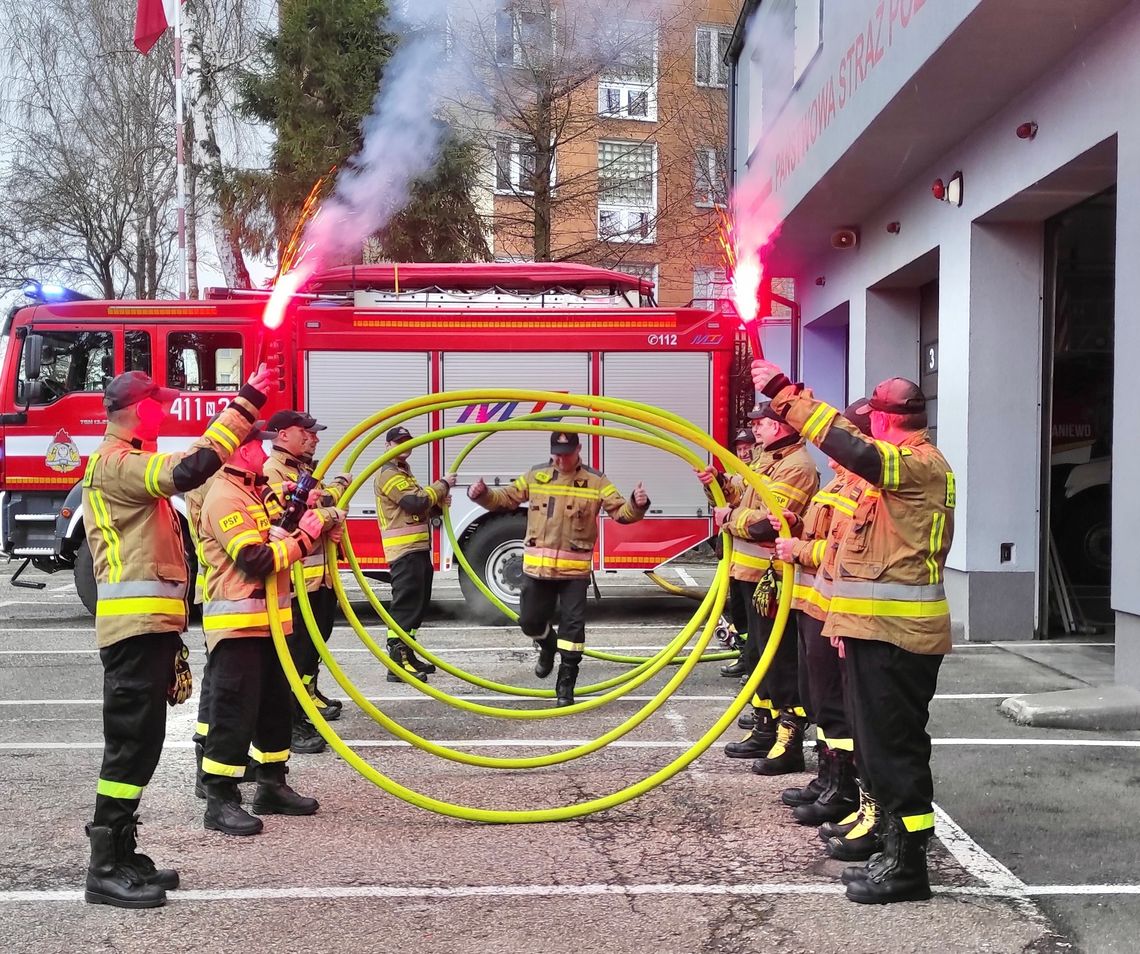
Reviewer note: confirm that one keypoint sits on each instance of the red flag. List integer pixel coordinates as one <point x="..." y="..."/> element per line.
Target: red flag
<point x="154" y="18"/>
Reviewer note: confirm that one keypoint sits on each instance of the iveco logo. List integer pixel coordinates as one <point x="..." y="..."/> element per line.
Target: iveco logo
<point x="707" y="339"/>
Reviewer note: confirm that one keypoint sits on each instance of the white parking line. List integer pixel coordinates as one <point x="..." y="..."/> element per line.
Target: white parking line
<point x="971" y="856"/>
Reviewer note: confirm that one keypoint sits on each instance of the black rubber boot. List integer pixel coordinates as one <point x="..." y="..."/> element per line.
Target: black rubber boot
<point x="110" y="882"/>
<point x="863" y="839"/>
<point x="794" y="797"/>
<point x="127" y="851"/>
<point x="901" y="875"/>
<point x="406" y="660"/>
<point x="330" y="709"/>
<point x="547" y="646"/>
<point x="224" y="812"/>
<point x="757" y="743"/>
<point x="735" y="668"/>
<point x="275" y="797"/>
<point x="306" y="739"/>
<point x="421" y="664"/>
<point x="787" y="753"/>
<point x="748" y="719"/>
<point x="839" y="799"/>
<point x="567" y="678"/>
<point x="199" y="778"/>
<point x="861" y="871"/>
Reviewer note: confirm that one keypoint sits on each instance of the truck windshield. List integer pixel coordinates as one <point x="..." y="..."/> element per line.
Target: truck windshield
<point x="72" y="361"/>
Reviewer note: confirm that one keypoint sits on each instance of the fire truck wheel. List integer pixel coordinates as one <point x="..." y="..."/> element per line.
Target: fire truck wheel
<point x="495" y="553"/>
<point x="85" y="577"/>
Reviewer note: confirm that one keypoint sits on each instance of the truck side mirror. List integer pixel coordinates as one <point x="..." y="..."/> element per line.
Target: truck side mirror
<point x="33" y="356"/>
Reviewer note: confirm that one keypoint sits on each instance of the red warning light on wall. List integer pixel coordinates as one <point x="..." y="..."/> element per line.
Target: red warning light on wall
<point x="948" y="191"/>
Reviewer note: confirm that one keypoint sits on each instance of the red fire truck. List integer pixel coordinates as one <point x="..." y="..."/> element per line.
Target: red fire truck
<point x="354" y="341"/>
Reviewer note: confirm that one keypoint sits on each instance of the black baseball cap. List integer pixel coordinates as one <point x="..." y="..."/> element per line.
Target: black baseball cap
<point x="898" y="396"/>
<point x="398" y="433"/>
<point x="764" y="410"/>
<point x="562" y="442"/>
<point x="130" y="387"/>
<point x="284" y="419"/>
<point x="744" y="436"/>
<point x="859" y="414"/>
<point x="260" y="431"/>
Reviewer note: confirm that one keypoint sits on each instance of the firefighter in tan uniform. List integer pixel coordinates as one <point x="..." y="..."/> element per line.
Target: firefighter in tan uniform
<point x="250" y="713"/>
<point x="775" y="740"/>
<point x="140" y="568"/>
<point x="833" y="795"/>
<point x="565" y="497"/>
<point x="292" y="455"/>
<point x="888" y="605"/>
<point x="404" y="510"/>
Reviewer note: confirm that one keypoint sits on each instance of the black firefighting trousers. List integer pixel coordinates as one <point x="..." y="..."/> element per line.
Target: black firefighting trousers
<point x="561" y="603"/>
<point x="412" y="576"/>
<point x="249" y="715"/>
<point x="821" y="683"/>
<point x="891" y="691"/>
<point x="136" y="674"/>
<point x="300" y="643"/>
<point x="780" y="685"/>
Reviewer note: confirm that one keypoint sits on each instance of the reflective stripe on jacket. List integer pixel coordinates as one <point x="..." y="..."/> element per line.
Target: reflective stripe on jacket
<point x="133" y="531"/>
<point x="829" y="510"/>
<point x="404" y="509"/>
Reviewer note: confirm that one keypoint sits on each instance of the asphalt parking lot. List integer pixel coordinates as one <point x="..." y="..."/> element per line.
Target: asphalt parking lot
<point x="1035" y="826"/>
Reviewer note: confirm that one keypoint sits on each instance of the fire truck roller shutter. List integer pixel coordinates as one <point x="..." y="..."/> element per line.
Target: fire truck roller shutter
<point x="346" y="386"/>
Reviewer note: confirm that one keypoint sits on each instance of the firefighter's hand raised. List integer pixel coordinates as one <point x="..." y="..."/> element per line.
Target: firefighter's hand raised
<point x="707" y="475"/>
<point x="262" y="378"/>
<point x="640" y="497"/>
<point x="477" y="489"/>
<point x="451" y="479"/>
<point x="763" y="372"/>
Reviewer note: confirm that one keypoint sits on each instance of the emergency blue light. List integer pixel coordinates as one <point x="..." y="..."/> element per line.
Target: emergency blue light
<point x="44" y="292"/>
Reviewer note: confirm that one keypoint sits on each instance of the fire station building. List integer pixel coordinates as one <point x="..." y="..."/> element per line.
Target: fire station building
<point x="954" y="182"/>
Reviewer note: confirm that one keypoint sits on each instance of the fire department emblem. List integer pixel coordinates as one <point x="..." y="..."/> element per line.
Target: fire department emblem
<point x="579" y="484"/>
<point x="62" y="454"/>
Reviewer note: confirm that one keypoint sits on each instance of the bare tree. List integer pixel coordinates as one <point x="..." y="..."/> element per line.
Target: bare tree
<point x="86" y="195"/>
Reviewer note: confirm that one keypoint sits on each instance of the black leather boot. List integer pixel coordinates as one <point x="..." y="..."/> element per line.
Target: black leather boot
<point x="787" y="753"/>
<point x="421" y="664"/>
<point x="840" y="828"/>
<point x="839" y="799"/>
<point x="792" y="797"/>
<point x="225" y="814"/>
<point x="901" y="875"/>
<point x="109" y="882"/>
<point x="406" y="660"/>
<point x="747" y="720"/>
<point x="567" y="678"/>
<point x="129" y="856"/>
<point x="864" y="839"/>
<point x="275" y="797"/>
<point x="547" y="646"/>
<point x="757" y="743"/>
<point x="330" y="709"/>
<point x="737" y="667"/>
<point x="305" y="739"/>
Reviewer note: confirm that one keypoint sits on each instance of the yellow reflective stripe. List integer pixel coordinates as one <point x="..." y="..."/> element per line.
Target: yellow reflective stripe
<point x="110" y="536"/>
<point x="141" y="606"/>
<point x="820" y="735"/>
<point x="582" y="493"/>
<point x="937" y="528"/>
<point x="150" y="477"/>
<point x="809" y="595"/>
<point x="570" y="647"/>
<point x="891" y="463"/>
<point x="223" y="435"/>
<point x="837" y="501"/>
<point x="739" y="523"/>
<point x="280" y="555"/>
<point x="817" y="421"/>
<point x="852" y="606"/>
<point x="221" y="768"/>
<point x="818" y="551"/>
<point x="521" y="483"/>
<point x="244" y="539"/>
<point x="89" y="473"/>
<point x="555" y="562"/>
<point x="746" y="559"/>
<point x="111" y="789"/>
<point x="918" y="822"/>
<point x="241" y="620"/>
<point x="416" y="537"/>
<point x="843" y="745"/>
<point x="608" y="489"/>
<point x="432" y="495"/>
<point x="392" y="481"/>
<point x="314" y="572"/>
<point x="266" y="758"/>
<point x="202" y="728"/>
<point x="788" y="490"/>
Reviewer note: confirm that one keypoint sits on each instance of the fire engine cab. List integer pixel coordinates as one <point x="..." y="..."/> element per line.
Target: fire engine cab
<point x="355" y="340"/>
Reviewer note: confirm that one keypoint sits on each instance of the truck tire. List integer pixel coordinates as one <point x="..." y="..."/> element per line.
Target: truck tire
<point x="1085" y="539"/>
<point x="495" y="552"/>
<point x="85" y="578"/>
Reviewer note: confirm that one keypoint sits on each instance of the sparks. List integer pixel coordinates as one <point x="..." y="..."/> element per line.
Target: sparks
<point x="298" y="246"/>
<point x="744" y="270"/>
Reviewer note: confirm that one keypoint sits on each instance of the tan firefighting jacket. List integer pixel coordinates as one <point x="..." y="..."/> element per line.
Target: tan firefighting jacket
<point x="790" y="474"/>
<point x="733" y="485"/>
<point x="194" y="501"/>
<point x="133" y="531"/>
<point x="814" y="551"/>
<point x="562" y="520"/>
<point x="239" y="556"/>
<point x="404" y="509"/>
<point x="892" y="557"/>
<point x="283" y="468"/>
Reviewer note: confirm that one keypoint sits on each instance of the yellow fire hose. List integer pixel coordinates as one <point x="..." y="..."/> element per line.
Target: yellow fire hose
<point x="662" y="430"/>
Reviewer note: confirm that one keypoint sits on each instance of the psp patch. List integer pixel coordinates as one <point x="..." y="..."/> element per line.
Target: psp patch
<point x="231" y="520"/>
<point x="543" y="477"/>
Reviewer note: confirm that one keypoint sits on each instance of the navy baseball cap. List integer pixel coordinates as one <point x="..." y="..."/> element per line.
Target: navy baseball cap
<point x="564" y="443"/>
<point x="289" y="418"/>
<point x="764" y="410"/>
<point x="399" y="433"/>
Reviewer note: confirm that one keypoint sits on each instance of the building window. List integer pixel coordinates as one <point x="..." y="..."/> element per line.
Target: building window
<point x="646" y="272"/>
<point x="709" y="185"/>
<point x="516" y="161"/>
<point x="710" y="285"/>
<point x="627" y="87"/>
<point x="524" y="37"/>
<point x="712" y="47"/>
<point x="203" y="360"/>
<point x="137" y="347"/>
<point x="808" y="30"/>
<point x="70" y="362"/>
<point x="627" y="191"/>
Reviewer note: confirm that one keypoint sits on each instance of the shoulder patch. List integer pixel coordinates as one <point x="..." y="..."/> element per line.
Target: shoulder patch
<point x="951" y="489"/>
<point x="231" y="520"/>
<point x="542" y="476"/>
<point x="403" y="484"/>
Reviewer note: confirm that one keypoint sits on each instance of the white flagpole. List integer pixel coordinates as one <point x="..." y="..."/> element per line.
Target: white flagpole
<point x="180" y="155"/>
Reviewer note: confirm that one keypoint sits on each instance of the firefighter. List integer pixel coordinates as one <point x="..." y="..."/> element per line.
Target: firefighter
<point x="140" y="568"/>
<point x="888" y="606"/>
<point x="292" y="455"/>
<point x="562" y="528"/>
<point x="776" y="736"/>
<point x="249" y="694"/>
<point x="404" y="510"/>
<point x="743" y="444"/>
<point x="833" y="795"/>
